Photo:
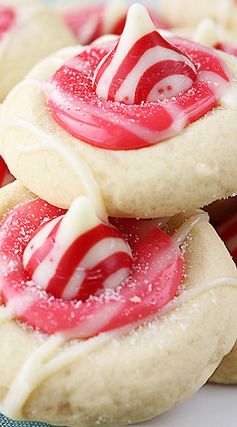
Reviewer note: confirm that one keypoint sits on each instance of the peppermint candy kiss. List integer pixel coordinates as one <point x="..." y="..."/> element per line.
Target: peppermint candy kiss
<point x="143" y="66"/>
<point x="76" y="255"/>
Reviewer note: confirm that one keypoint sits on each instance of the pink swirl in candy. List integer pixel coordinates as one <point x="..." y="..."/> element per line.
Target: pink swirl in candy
<point x="153" y="281"/>
<point x="89" y="23"/>
<point x="5" y="176"/>
<point x="7" y="19"/>
<point x="76" y="255"/>
<point x="227" y="230"/>
<point x="107" y="124"/>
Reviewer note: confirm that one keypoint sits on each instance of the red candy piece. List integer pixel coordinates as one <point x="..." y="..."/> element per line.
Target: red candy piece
<point x="116" y="126"/>
<point x="77" y="255"/>
<point x="87" y="23"/>
<point x="154" y="279"/>
<point x="7" y="19"/>
<point x="227" y="230"/>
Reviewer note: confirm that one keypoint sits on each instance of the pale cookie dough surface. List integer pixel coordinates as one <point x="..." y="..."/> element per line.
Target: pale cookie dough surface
<point x="187" y="171"/>
<point x="38" y="32"/>
<point x="136" y="376"/>
<point x="190" y="12"/>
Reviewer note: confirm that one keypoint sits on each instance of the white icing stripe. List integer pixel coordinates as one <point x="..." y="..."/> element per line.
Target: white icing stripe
<point x="182" y="233"/>
<point x="37" y="369"/>
<point x="196" y="291"/>
<point x="50" y="142"/>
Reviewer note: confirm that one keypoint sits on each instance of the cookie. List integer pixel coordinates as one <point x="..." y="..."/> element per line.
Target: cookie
<point x="167" y="149"/>
<point x="29" y="32"/>
<point x="126" y="375"/>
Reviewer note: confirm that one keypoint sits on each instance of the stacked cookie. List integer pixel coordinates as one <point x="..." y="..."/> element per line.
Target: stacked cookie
<point x="117" y="295"/>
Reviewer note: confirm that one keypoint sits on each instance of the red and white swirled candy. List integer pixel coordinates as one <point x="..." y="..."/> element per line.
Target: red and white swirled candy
<point x="76" y="107"/>
<point x="153" y="281"/>
<point x="7" y="19"/>
<point x="143" y="66"/>
<point x="227" y="230"/>
<point x="76" y="255"/>
<point x="91" y="22"/>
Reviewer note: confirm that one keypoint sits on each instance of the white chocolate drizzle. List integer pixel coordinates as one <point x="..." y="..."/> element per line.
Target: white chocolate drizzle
<point x="50" y="142"/>
<point x="182" y="233"/>
<point x="39" y="366"/>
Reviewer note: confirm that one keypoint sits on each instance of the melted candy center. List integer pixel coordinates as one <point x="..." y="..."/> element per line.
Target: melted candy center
<point x="115" y="126"/>
<point x="153" y="281"/>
